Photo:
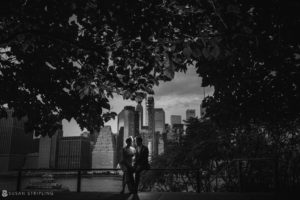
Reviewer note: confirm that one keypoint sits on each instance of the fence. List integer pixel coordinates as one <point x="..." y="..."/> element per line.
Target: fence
<point x="23" y="174"/>
<point x="239" y="175"/>
<point x="236" y="175"/>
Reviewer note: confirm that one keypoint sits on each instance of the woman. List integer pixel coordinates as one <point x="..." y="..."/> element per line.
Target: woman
<point x="126" y="164"/>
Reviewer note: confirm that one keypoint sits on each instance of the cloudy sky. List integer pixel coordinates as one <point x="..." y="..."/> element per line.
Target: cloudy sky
<point x="175" y="97"/>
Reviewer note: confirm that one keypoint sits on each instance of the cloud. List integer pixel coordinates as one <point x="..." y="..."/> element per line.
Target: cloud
<point x="183" y="84"/>
<point x="175" y="97"/>
<point x="171" y="101"/>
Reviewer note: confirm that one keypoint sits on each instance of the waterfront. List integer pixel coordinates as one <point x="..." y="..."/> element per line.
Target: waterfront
<point x="88" y="183"/>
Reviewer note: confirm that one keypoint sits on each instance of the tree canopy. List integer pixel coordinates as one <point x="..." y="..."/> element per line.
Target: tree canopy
<point x="64" y="59"/>
<point x="244" y="158"/>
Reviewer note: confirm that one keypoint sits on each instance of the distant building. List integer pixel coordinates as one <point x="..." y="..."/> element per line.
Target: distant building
<point x="139" y="109"/>
<point x="127" y="126"/>
<point x="94" y="136"/>
<point x="136" y="123"/>
<point x="161" y="144"/>
<point x="190" y="113"/>
<point x="120" y="145"/>
<point x="175" y="119"/>
<point x="144" y="133"/>
<point x="104" y="149"/>
<point x="167" y="132"/>
<point x="126" y="119"/>
<point x="147" y="139"/>
<point x="177" y="130"/>
<point x="15" y="144"/>
<point x="166" y="136"/>
<point x="48" y="150"/>
<point x="151" y="124"/>
<point x="74" y="152"/>
<point x="174" y="134"/>
<point x="150" y="148"/>
<point x="45" y="152"/>
<point x="146" y="114"/>
<point x="159" y="128"/>
<point x="171" y="135"/>
<point x="159" y="120"/>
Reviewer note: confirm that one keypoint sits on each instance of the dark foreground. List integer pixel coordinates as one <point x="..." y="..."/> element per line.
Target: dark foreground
<point x="160" y="196"/>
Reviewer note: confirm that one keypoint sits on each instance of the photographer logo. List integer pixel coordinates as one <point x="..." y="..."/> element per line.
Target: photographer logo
<point x="4" y="193"/>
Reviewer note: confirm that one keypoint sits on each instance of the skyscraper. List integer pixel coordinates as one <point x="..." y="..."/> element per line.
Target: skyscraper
<point x="126" y="119"/>
<point x="175" y="119"/>
<point x="159" y="120"/>
<point x="104" y="149"/>
<point x="159" y="128"/>
<point x="190" y="113"/>
<point x="151" y="124"/>
<point x="14" y="142"/>
<point x="136" y="123"/>
<point x="48" y="150"/>
<point x="139" y="109"/>
<point x="74" y="152"/>
<point x="120" y="144"/>
<point x="126" y="127"/>
<point x="146" y="114"/>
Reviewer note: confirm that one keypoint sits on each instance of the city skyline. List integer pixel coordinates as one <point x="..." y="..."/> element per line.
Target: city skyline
<point x="101" y="150"/>
<point x="175" y="97"/>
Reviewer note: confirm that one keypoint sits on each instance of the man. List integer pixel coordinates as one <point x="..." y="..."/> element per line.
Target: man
<point x="141" y="160"/>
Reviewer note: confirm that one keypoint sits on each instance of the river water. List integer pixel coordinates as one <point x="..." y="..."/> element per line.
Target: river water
<point x="88" y="183"/>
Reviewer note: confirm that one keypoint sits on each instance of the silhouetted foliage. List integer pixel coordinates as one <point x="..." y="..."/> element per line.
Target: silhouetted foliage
<point x="244" y="158"/>
<point x="66" y="59"/>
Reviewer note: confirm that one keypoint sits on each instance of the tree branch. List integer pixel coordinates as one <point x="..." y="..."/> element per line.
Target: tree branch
<point x="221" y="19"/>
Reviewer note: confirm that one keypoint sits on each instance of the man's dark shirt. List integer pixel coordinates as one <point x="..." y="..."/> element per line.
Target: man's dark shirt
<point x="141" y="157"/>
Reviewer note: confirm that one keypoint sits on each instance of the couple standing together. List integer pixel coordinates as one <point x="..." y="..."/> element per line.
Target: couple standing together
<point x="134" y="161"/>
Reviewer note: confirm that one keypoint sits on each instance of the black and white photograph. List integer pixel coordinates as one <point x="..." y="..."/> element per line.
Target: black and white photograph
<point x="150" y="99"/>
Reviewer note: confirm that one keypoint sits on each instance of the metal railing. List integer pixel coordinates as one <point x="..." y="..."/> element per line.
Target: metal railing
<point x="80" y="173"/>
<point x="231" y="176"/>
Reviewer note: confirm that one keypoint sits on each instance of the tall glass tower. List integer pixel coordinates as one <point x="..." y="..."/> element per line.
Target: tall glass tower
<point x="139" y="109"/>
<point x="151" y="124"/>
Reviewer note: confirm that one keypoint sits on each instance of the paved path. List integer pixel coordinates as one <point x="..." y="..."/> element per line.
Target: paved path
<point x="159" y="196"/>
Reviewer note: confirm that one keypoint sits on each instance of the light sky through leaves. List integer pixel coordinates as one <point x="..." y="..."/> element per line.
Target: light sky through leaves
<point x="175" y="97"/>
